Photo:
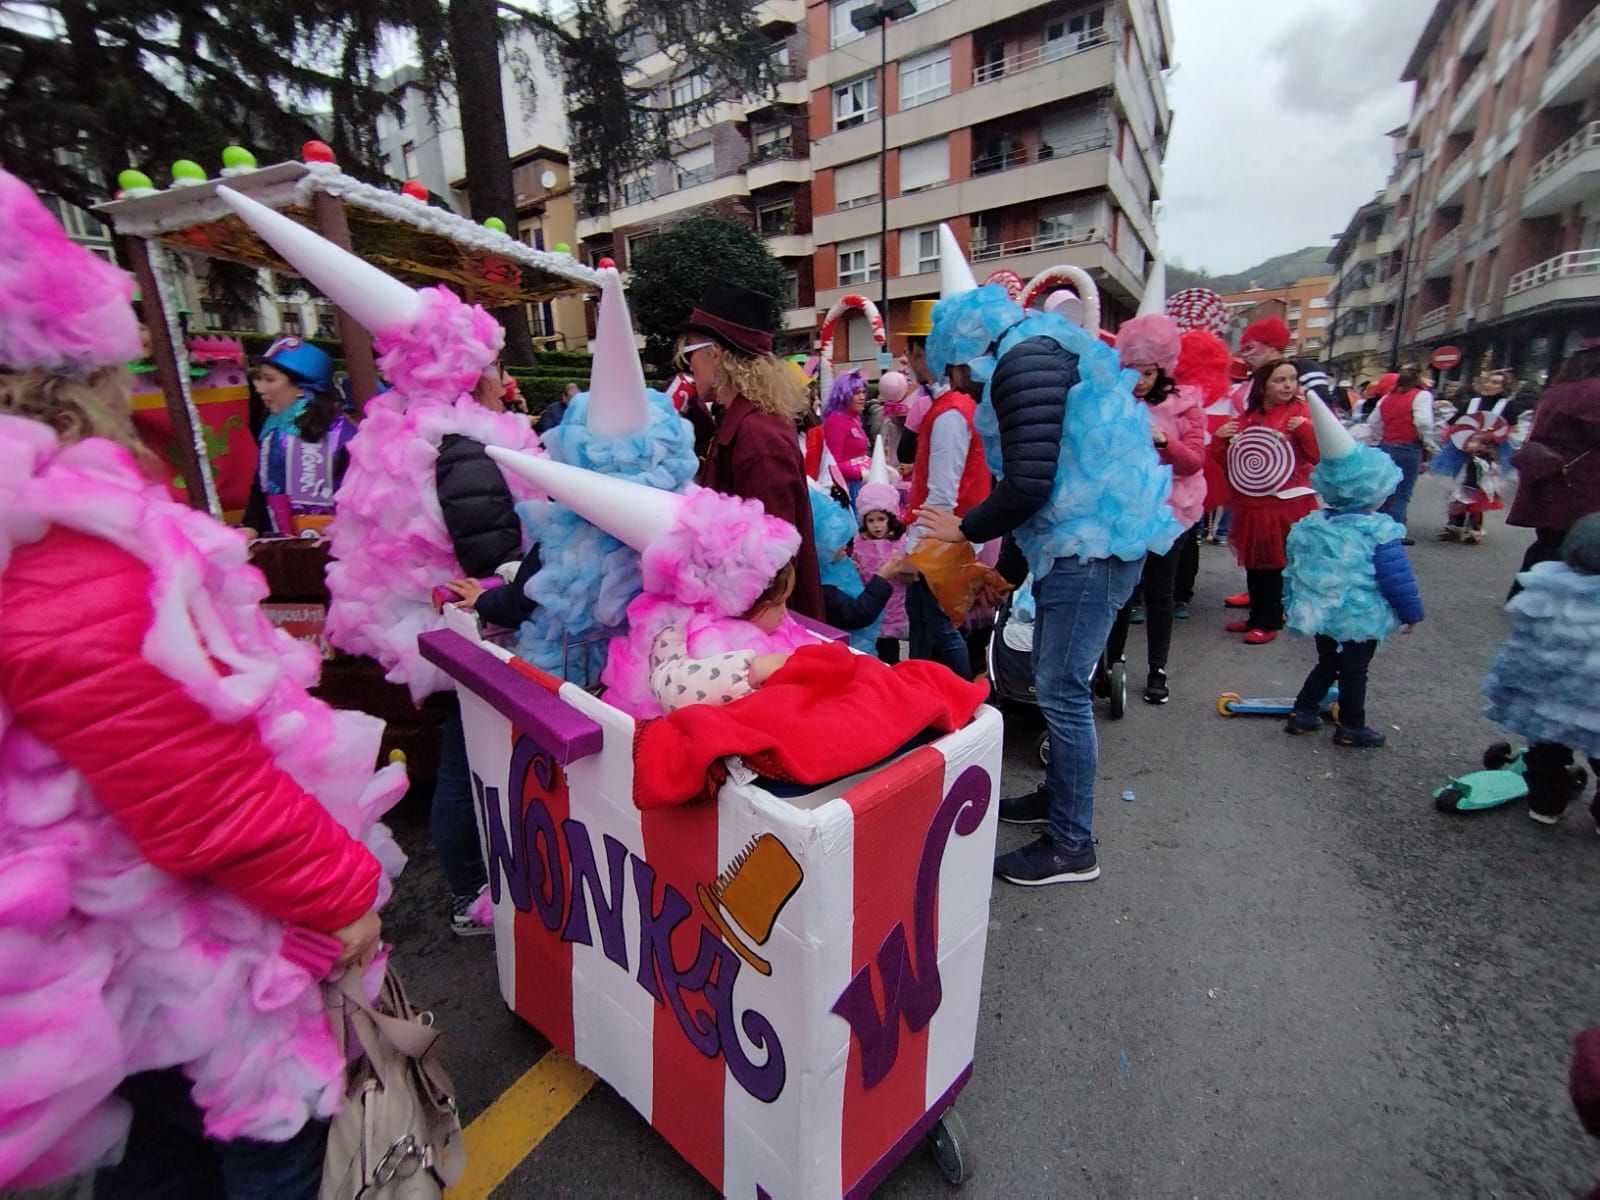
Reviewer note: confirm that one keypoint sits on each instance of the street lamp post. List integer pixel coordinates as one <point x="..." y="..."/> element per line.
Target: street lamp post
<point x="867" y="18"/>
<point x="1405" y="261"/>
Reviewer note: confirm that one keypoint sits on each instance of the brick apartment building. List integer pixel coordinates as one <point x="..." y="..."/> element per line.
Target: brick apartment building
<point x="744" y="159"/>
<point x="1495" y="198"/>
<point x="1036" y="130"/>
<point x="1303" y="305"/>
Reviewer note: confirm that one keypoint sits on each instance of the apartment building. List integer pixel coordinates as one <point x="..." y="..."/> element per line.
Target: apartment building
<point x="1036" y="130"/>
<point x="1362" y="294"/>
<point x="1495" y="232"/>
<point x="742" y="158"/>
<point x="1303" y="305"/>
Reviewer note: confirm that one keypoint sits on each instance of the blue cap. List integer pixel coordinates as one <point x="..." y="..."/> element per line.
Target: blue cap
<point x="302" y="362"/>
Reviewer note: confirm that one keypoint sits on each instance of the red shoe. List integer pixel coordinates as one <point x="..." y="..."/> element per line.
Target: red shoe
<point x="1260" y="637"/>
<point x="1242" y="600"/>
<point x="1237" y="626"/>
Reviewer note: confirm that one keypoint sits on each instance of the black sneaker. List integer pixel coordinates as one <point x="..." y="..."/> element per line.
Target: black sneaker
<point x="1155" y="688"/>
<point x="1045" y="861"/>
<point x="461" y="922"/>
<point x="1136" y="617"/>
<point x="1031" y="809"/>
<point x="1180" y="611"/>
<point x="1360" y="739"/>
<point x="1303" y="722"/>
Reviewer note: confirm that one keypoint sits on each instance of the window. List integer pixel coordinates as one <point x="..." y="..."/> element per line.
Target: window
<point x="925" y="77"/>
<point x="919" y="250"/>
<point x="985" y="231"/>
<point x="790" y="298"/>
<point x="925" y="165"/>
<point x="695" y="166"/>
<point x="687" y="91"/>
<point x="855" y="184"/>
<point x="594" y="254"/>
<point x="637" y="243"/>
<point x="858" y="261"/>
<point x="638" y="189"/>
<point x="776" y="220"/>
<point x="855" y="103"/>
<point x="1059" y="226"/>
<point x="408" y="160"/>
<point x="1082" y="29"/>
<point x="776" y="142"/>
<point x="839" y="21"/>
<point x="1073" y="130"/>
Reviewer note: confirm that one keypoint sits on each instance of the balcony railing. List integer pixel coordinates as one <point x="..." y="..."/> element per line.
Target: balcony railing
<point x="1434" y="318"/>
<point x="1022" y="156"/>
<point x="989" y="251"/>
<point x="1587" y="138"/>
<point x="1570" y="43"/>
<point x="1048" y="52"/>
<point x="1445" y="249"/>
<point x="776" y="152"/>
<point x="1562" y="266"/>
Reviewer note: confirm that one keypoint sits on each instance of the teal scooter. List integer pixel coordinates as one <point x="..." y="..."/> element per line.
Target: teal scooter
<point x="1500" y="782"/>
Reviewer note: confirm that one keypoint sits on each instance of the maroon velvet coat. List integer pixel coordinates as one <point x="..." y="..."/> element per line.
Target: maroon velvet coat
<point x="757" y="455"/>
<point x="1559" y="467"/>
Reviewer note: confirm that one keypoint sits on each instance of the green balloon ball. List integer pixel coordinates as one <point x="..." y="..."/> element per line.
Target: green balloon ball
<point x="237" y="156"/>
<point x="562" y="248"/>
<point x="494" y="223"/>
<point x="133" y="179"/>
<point x="186" y="168"/>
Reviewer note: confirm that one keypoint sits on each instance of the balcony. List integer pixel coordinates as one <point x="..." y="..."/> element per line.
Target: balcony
<point x="772" y="14"/>
<point x="648" y="209"/>
<point x="799" y="318"/>
<point x="788" y="166"/>
<point x="1464" y="112"/>
<point x="1442" y="257"/>
<point x="1574" y="70"/>
<point x="1563" y="279"/>
<point x="1455" y="177"/>
<point x="791" y="245"/>
<point x="791" y="93"/>
<point x="1047" y="52"/>
<point x="1021" y="156"/>
<point x="1475" y="33"/>
<point x="1565" y="176"/>
<point x="1433" y="321"/>
<point x="1053" y="241"/>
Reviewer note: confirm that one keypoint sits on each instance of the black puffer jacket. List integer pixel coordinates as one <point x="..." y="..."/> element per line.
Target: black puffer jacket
<point x="844" y="611"/>
<point x="1029" y="394"/>
<point x="477" y="506"/>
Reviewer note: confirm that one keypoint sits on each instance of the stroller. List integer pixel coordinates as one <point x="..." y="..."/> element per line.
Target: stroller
<point x="1011" y="666"/>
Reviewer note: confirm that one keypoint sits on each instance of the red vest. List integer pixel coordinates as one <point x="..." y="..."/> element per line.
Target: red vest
<point x="975" y="481"/>
<point x="1394" y="410"/>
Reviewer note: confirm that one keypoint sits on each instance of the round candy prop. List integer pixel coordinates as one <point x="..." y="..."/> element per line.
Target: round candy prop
<point x="1198" y="308"/>
<point x="1260" y="462"/>
<point x="1484" y="428"/>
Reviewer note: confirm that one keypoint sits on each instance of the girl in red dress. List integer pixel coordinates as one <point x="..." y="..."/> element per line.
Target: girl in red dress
<point x="1267" y="456"/>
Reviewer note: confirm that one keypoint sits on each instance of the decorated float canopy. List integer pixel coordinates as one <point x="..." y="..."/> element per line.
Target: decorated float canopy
<point x="416" y="243"/>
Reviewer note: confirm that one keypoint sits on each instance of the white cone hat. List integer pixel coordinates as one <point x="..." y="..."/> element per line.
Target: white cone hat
<point x="878" y="472"/>
<point x="377" y="300"/>
<point x="1154" y="300"/>
<point x="955" y="276"/>
<point x="633" y="513"/>
<point x="828" y="470"/>
<point x="617" y="403"/>
<point x="1333" y="439"/>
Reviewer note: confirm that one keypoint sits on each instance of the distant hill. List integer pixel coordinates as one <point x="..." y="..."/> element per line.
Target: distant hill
<point x="1274" y="272"/>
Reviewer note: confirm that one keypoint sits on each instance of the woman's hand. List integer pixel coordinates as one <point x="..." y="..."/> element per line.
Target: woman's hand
<point x="1295" y="423"/>
<point x="1226" y="432"/>
<point x="763" y="668"/>
<point x="467" y="591"/>
<point x="360" y="941"/>
<point x="941" y="524"/>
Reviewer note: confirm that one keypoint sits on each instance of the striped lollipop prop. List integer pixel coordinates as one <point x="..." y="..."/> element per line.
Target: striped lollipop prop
<point x="1260" y="462"/>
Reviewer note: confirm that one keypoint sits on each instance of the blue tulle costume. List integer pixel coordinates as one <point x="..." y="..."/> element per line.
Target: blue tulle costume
<point x="1330" y="585"/>
<point x="833" y="527"/>
<point x="587" y="577"/>
<point x="1544" y="683"/>
<point x="1111" y="490"/>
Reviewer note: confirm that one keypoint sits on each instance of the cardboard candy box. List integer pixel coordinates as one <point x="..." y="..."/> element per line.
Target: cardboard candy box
<point x="785" y="986"/>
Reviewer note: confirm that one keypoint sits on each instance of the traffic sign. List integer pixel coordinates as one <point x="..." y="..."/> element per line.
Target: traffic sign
<point x="1446" y="357"/>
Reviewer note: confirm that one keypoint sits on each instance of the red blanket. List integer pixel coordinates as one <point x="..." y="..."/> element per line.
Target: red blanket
<point x="826" y="714"/>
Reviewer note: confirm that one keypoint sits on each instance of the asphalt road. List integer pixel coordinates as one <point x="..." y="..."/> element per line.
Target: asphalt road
<point x="1293" y="977"/>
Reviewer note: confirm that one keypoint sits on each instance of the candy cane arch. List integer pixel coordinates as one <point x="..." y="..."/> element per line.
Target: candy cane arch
<point x="1075" y="278"/>
<point x="1010" y="280"/>
<point x="830" y="325"/>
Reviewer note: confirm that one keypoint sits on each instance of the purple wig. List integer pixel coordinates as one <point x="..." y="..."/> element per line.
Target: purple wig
<point x="844" y="387"/>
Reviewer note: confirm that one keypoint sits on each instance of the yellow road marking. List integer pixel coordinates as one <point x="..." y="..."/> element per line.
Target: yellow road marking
<point x="508" y="1130"/>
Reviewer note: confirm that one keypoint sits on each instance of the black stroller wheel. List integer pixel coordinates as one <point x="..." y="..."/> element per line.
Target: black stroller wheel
<point x="1041" y="747"/>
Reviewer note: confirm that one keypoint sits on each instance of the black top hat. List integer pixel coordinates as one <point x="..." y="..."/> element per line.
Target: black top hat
<point x="737" y="317"/>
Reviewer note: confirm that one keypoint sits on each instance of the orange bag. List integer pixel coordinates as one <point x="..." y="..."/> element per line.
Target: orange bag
<point x="955" y="576"/>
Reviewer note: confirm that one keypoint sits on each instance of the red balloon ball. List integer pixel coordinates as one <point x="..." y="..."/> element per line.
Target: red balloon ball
<point x="319" y="152"/>
<point x="607" y="264"/>
<point x="415" y="190"/>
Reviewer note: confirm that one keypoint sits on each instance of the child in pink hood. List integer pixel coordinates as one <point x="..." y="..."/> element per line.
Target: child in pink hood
<point x="1150" y="345"/>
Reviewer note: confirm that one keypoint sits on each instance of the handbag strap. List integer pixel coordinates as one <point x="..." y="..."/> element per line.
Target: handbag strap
<point x="407" y="1035"/>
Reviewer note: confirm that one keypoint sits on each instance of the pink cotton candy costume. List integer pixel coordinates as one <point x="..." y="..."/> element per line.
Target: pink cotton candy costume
<point x="388" y="538"/>
<point x="704" y="558"/>
<point x="134" y="928"/>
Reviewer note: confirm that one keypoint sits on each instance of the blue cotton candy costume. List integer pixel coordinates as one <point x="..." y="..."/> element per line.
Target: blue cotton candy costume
<point x="587" y="577"/>
<point x="1331" y="583"/>
<point x="833" y="527"/>
<point x="1111" y="490"/>
<point x="1544" y="683"/>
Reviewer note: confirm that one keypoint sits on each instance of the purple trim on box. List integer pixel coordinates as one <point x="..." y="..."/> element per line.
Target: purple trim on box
<point x="559" y="729"/>
<point x="879" y="1171"/>
<point x="825" y="631"/>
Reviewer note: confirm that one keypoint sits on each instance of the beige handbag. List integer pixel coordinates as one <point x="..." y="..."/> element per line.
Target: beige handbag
<point x="398" y="1135"/>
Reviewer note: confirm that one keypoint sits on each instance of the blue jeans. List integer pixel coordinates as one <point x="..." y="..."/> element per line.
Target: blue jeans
<point x="453" y="820"/>
<point x="169" y="1156"/>
<point x="1408" y="457"/>
<point x="1076" y="603"/>
<point x="933" y="637"/>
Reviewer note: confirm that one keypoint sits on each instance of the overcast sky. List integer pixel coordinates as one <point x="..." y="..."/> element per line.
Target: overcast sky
<point x="1280" y="115"/>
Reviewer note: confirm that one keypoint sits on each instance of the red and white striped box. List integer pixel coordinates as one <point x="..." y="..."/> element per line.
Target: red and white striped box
<point x="786" y="988"/>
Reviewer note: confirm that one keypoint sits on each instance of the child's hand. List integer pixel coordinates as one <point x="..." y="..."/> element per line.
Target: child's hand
<point x="1227" y="431"/>
<point x="762" y="668"/>
<point x="895" y="569"/>
<point x="466" y="591"/>
<point x="1295" y="423"/>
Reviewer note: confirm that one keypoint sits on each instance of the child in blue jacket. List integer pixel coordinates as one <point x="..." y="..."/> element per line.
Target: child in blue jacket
<point x="1348" y="582"/>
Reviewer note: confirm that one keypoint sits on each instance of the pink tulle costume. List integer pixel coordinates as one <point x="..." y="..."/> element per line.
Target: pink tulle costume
<point x="109" y="965"/>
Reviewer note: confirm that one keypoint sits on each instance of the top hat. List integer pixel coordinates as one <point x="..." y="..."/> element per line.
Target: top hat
<point x="919" y="320"/>
<point x="748" y="896"/>
<point x="735" y="316"/>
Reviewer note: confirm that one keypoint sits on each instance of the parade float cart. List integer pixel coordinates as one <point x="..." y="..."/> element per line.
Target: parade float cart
<point x="784" y="982"/>
<point x="192" y="406"/>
